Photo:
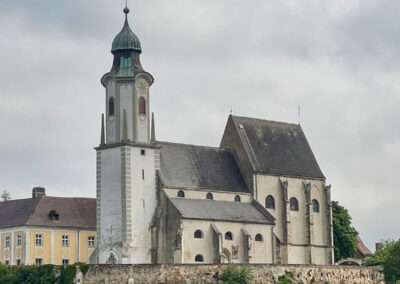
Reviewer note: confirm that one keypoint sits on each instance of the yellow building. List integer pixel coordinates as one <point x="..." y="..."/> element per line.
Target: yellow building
<point x="47" y="230"/>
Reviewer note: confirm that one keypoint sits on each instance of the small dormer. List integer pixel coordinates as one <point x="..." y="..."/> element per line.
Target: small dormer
<point x="53" y="214"/>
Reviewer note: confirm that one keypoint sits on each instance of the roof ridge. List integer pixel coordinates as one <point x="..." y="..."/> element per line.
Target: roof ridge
<point x="267" y="120"/>
<point x="193" y="145"/>
<point x="67" y="197"/>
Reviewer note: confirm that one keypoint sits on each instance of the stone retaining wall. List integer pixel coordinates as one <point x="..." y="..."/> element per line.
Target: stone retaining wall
<point x="196" y="274"/>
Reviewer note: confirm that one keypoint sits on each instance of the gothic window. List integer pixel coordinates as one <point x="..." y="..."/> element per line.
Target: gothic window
<point x="199" y="258"/>
<point x="228" y="236"/>
<point x="142" y="106"/>
<point x="111" y="107"/>
<point x="198" y="234"/>
<point x="294" y="204"/>
<point x="258" y="238"/>
<point x="237" y="198"/>
<point x="181" y="193"/>
<point x="315" y="206"/>
<point x="270" y="202"/>
<point x="209" y="196"/>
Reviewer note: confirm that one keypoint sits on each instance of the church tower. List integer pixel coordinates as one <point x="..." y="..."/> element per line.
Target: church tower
<point x="127" y="158"/>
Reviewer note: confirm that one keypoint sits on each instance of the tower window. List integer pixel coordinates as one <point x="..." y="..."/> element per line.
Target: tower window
<point x="199" y="258"/>
<point x="270" y="202"/>
<point x="142" y="106"/>
<point x="294" y="204"/>
<point x="228" y="236"/>
<point x="142" y="152"/>
<point x="181" y="193"/>
<point x="209" y="196"/>
<point x="315" y="206"/>
<point x="258" y="238"/>
<point x="237" y="198"/>
<point x="111" y="107"/>
<point x="198" y="234"/>
<point x="143" y="174"/>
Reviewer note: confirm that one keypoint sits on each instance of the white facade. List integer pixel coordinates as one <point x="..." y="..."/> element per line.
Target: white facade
<point x="126" y="167"/>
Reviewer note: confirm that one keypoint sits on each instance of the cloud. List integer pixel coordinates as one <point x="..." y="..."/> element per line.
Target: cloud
<point x="338" y="59"/>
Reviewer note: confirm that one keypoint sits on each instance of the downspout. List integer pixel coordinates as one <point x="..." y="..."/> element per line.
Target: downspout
<point x="78" y="253"/>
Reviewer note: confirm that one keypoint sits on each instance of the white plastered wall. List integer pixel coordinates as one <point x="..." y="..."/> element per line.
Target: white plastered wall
<point x="298" y="252"/>
<point x="262" y="251"/>
<point x="201" y="194"/>
<point x="110" y="204"/>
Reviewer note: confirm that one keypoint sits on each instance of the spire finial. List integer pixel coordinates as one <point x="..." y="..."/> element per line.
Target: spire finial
<point x="126" y="9"/>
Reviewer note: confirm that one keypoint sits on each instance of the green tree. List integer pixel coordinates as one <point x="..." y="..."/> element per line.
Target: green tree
<point x="389" y="257"/>
<point x="344" y="235"/>
<point x="5" y="196"/>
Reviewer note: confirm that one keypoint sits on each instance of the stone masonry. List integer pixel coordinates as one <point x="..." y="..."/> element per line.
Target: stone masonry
<point x="196" y="274"/>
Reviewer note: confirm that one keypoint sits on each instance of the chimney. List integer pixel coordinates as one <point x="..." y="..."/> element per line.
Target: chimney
<point x="378" y="246"/>
<point x="38" y="192"/>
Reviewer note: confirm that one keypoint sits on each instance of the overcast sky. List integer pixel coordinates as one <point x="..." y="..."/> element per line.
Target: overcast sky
<point x="339" y="60"/>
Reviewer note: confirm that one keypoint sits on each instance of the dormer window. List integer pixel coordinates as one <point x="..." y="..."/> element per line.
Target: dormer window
<point x="142" y="106"/>
<point x="111" y="107"/>
<point x="53" y="214"/>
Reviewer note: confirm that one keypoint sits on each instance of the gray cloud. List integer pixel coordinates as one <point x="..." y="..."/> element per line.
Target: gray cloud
<point x="339" y="60"/>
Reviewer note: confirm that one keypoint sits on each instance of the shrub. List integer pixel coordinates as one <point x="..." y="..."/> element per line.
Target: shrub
<point x="233" y="274"/>
<point x="284" y="279"/>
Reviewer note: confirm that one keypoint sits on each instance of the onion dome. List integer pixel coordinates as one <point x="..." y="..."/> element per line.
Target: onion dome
<point x="126" y="39"/>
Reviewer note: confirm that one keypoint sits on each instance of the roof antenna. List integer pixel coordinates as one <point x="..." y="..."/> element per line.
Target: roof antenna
<point x="299" y="109"/>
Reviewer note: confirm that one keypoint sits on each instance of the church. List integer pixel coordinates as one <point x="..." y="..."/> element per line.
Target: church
<point x="260" y="197"/>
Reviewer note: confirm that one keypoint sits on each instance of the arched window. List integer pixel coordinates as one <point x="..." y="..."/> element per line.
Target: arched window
<point x="294" y="204"/>
<point x="209" y="196"/>
<point x="198" y="234"/>
<point x="199" y="258"/>
<point x="258" y="238"/>
<point x="315" y="205"/>
<point x="181" y="193"/>
<point x="270" y="202"/>
<point x="142" y="106"/>
<point x="228" y="236"/>
<point x="237" y="198"/>
<point x="111" y="107"/>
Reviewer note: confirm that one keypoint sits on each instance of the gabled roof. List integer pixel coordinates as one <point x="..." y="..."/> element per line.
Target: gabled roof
<point x="277" y="148"/>
<point x="200" y="167"/>
<point x="72" y="212"/>
<point x="203" y="209"/>
<point x="362" y="248"/>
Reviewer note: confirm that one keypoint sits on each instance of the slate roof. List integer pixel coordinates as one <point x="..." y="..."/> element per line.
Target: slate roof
<point x="73" y="212"/>
<point x="278" y="148"/>
<point x="200" y="167"/>
<point x="203" y="209"/>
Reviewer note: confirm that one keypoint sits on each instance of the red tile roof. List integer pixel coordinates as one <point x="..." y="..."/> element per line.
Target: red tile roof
<point x="362" y="249"/>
